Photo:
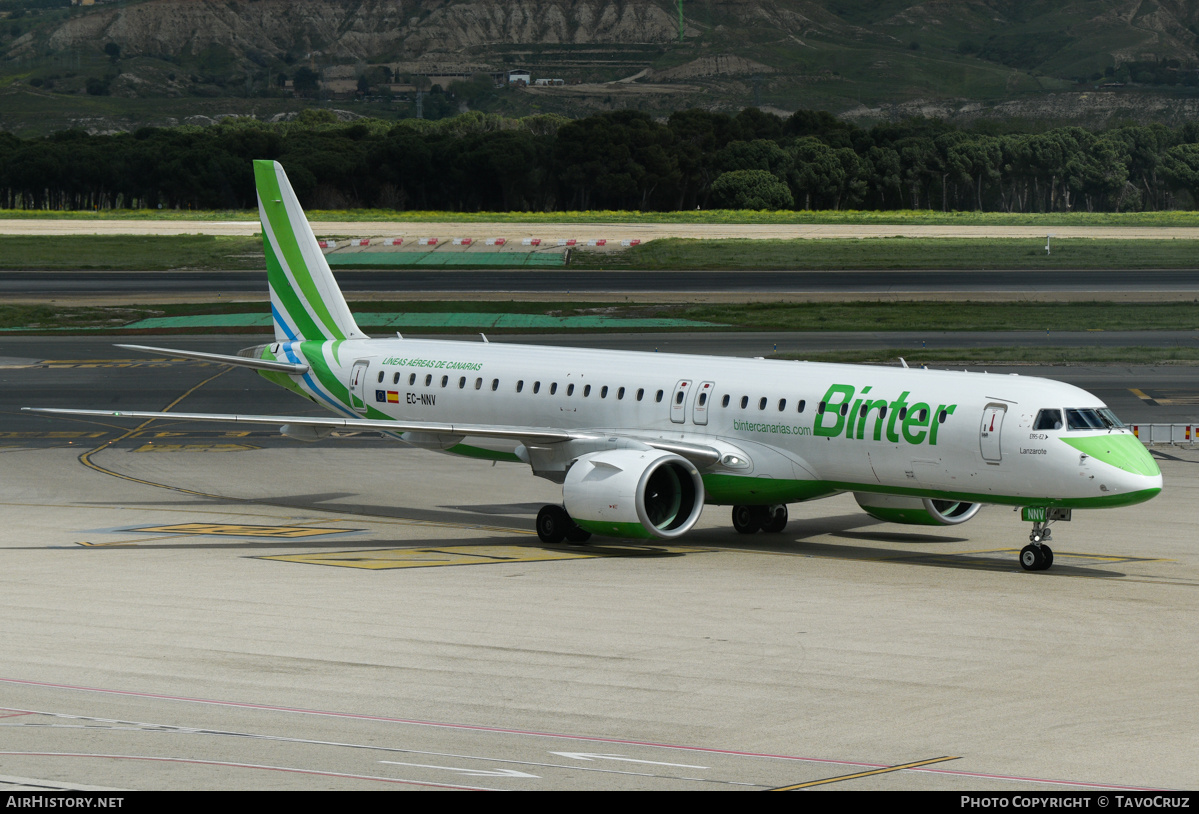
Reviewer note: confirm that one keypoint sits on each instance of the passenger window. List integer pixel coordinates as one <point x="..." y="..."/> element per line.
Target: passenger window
<point x="604" y="392"/>
<point x="396" y="378"/>
<point x="640" y="393"/>
<point x="536" y="388"/>
<point x="620" y="394"/>
<point x="782" y="405"/>
<point x="495" y="385"/>
<point x="660" y="394"/>
<point x="462" y="383"/>
<point x="520" y="385"/>
<point x="703" y="399"/>
<point x="428" y="379"/>
<point x="822" y="405"/>
<point x="1048" y="420"/>
<point x="412" y="379"/>
<point x="762" y="403"/>
<point x="845" y="408"/>
<point x="553" y="388"/>
<point x="678" y="397"/>
<point x="724" y="402"/>
<point x="479" y="383"/>
<point x="744" y="402"/>
<point x="445" y="381"/>
<point x="570" y="389"/>
<point x="802" y="404"/>
<point x="380" y="377"/>
<point x="586" y="390"/>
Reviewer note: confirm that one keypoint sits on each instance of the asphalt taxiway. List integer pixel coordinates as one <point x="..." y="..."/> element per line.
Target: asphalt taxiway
<point x="184" y="611"/>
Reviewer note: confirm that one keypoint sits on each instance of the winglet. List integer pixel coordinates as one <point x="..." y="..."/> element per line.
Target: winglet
<point x="306" y="302"/>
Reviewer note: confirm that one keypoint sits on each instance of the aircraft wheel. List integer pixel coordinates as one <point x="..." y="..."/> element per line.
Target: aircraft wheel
<point x="776" y="520"/>
<point x="1031" y="558"/>
<point x="746" y="519"/>
<point x="1047" y="553"/>
<point x="577" y="534"/>
<point x="552" y="524"/>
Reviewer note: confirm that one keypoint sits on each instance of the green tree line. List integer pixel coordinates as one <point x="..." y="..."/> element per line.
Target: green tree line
<point x="617" y="160"/>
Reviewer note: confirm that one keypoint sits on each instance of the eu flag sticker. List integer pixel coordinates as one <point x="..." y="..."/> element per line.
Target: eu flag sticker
<point x="380" y="395"/>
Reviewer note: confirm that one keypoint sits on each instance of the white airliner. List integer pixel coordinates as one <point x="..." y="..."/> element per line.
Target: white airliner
<point x="642" y="441"/>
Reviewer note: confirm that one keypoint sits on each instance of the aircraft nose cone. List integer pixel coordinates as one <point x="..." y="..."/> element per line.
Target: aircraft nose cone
<point x="1137" y="477"/>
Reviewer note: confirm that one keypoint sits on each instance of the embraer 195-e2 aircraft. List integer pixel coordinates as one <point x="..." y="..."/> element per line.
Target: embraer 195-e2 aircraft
<point x="641" y="441"/>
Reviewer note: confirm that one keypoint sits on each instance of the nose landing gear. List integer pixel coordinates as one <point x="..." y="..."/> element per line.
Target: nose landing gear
<point x="1037" y="555"/>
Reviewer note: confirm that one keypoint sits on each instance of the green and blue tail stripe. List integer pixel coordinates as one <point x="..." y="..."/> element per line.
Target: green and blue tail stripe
<point x="306" y="303"/>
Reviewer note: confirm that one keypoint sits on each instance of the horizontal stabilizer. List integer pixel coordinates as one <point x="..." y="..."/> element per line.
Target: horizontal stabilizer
<point x="222" y="359"/>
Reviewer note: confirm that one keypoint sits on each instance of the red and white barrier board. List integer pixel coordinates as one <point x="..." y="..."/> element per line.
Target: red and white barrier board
<point x="360" y="241"/>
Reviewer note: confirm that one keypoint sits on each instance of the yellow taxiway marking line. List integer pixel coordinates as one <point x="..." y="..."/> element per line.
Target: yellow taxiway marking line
<point x="152" y="447"/>
<point x="86" y="458"/>
<point x="855" y="775"/>
<point x="469" y="555"/>
<point x="133" y="542"/>
<point x="234" y="530"/>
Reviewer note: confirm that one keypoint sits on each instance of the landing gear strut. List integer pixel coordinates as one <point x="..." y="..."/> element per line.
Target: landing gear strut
<point x="750" y="519"/>
<point x="1037" y="555"/>
<point x="554" y="525"/>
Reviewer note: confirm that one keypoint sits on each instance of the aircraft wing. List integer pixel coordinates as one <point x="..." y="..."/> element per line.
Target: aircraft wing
<point x="699" y="454"/>
<point x="542" y="435"/>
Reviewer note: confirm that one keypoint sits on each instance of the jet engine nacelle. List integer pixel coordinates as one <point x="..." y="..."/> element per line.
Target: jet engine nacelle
<point x="916" y="511"/>
<point x="633" y="493"/>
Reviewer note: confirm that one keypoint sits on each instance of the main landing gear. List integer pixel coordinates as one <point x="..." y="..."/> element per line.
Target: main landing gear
<point x="554" y="525"/>
<point x="1037" y="555"/>
<point x="750" y="519"/>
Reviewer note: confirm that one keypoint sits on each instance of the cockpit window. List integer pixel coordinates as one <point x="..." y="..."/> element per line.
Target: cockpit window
<point x="1084" y="420"/>
<point x="1048" y="420"/>
<point x="1110" y="417"/>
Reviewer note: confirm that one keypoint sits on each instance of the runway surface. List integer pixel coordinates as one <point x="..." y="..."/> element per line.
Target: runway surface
<point x="187" y="611"/>
<point x="1085" y="283"/>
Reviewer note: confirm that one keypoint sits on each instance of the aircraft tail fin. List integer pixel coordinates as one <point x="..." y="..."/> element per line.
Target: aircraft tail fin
<point x="306" y="302"/>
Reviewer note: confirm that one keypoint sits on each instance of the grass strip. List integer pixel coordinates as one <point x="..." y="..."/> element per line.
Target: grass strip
<point x="130" y="252"/>
<point x="678" y="254"/>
